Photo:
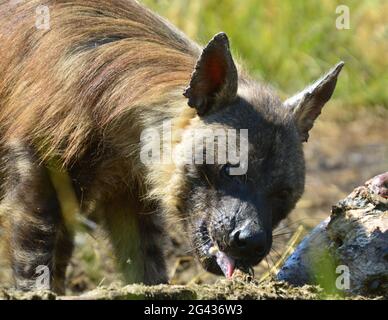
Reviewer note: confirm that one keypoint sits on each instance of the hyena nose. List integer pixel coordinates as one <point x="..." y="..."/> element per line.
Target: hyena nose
<point x="248" y="242"/>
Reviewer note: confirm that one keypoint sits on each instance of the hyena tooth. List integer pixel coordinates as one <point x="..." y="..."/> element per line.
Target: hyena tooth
<point x="213" y="250"/>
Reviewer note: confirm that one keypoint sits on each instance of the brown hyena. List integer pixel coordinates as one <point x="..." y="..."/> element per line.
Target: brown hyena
<point x="75" y="99"/>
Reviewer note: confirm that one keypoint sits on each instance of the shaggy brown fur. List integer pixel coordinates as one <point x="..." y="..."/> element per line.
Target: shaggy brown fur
<point x="82" y="92"/>
<point x="100" y="61"/>
<point x="75" y="99"/>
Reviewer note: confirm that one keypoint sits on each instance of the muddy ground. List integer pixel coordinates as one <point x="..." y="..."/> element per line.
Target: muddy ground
<point x="346" y="148"/>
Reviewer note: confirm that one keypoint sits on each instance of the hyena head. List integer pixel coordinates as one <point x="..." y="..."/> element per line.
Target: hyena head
<point x="232" y="207"/>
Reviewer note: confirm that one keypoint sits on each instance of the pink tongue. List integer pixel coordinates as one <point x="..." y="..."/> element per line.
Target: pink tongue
<point x="226" y="264"/>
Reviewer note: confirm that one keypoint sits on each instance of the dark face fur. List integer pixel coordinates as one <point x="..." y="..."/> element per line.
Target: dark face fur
<point x="231" y="217"/>
<point x="237" y="213"/>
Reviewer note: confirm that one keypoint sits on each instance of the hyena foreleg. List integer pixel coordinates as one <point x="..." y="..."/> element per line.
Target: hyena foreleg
<point x="137" y="237"/>
<point x="38" y="242"/>
<point x="63" y="252"/>
<point x="152" y="246"/>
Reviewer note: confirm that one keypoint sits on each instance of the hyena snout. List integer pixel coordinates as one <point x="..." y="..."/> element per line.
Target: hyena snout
<point x="245" y="237"/>
<point x="248" y="242"/>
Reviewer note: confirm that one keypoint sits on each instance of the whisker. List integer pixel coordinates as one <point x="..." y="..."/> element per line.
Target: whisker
<point x="276" y="252"/>
<point x="268" y="265"/>
<point x="209" y="205"/>
<point x="282" y="234"/>
<point x="292" y="223"/>
<point x="272" y="260"/>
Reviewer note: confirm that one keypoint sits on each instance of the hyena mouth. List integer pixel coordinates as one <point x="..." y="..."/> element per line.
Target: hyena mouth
<point x="227" y="264"/>
<point x="211" y="257"/>
<point x="218" y="261"/>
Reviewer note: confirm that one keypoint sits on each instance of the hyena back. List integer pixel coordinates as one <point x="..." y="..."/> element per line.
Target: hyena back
<point x="75" y="99"/>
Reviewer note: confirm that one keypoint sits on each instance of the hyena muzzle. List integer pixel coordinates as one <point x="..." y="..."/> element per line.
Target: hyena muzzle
<point x="74" y="101"/>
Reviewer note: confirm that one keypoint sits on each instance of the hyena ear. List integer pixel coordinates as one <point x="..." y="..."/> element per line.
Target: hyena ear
<point x="214" y="80"/>
<point x="307" y="105"/>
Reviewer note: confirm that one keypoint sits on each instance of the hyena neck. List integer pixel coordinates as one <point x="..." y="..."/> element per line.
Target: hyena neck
<point x="164" y="178"/>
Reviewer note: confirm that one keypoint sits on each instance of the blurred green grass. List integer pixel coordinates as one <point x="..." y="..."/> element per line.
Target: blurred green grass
<point x="289" y="43"/>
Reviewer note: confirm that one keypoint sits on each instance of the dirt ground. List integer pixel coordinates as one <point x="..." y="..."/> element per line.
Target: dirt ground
<point x="346" y="148"/>
<point x="236" y="289"/>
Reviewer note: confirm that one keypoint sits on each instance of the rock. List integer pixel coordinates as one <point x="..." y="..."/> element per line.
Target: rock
<point x="348" y="252"/>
